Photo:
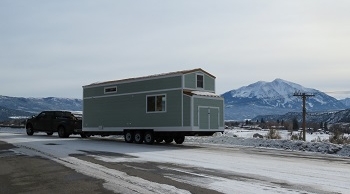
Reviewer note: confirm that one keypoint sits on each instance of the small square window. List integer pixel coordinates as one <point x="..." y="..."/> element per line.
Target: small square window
<point x="156" y="103"/>
<point x="111" y="90"/>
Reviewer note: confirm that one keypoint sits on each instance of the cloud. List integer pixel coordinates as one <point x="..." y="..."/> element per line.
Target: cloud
<point x="72" y="43"/>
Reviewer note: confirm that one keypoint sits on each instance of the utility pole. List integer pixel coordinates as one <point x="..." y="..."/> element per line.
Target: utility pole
<point x="303" y="96"/>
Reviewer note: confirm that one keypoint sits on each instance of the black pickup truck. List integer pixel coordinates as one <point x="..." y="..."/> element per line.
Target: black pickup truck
<point x="62" y="122"/>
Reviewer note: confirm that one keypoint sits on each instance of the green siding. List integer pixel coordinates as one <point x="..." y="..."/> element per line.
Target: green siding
<point x="187" y="111"/>
<point x="191" y="81"/>
<point x="130" y="111"/>
<point x="204" y="118"/>
<point x="209" y="83"/>
<point x="214" y="122"/>
<point x="137" y="86"/>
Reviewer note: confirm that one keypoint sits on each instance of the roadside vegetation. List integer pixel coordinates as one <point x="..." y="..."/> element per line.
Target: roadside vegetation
<point x="338" y="134"/>
<point x="273" y="134"/>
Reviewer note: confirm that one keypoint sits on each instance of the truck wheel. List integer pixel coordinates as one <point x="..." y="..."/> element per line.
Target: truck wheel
<point x="168" y="140"/>
<point x="138" y="137"/>
<point x="49" y="133"/>
<point x="30" y="130"/>
<point x="149" y="137"/>
<point x="179" y="140"/>
<point x="61" y="132"/>
<point x="128" y="137"/>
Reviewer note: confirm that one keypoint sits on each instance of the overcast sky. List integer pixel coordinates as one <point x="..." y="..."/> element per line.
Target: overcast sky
<point x="53" y="48"/>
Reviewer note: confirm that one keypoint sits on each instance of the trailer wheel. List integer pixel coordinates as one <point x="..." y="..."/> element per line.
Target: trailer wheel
<point x="128" y="137"/>
<point x="84" y="135"/>
<point x="149" y="137"/>
<point x="168" y="140"/>
<point x="159" y="139"/>
<point x="138" y="137"/>
<point x="179" y="139"/>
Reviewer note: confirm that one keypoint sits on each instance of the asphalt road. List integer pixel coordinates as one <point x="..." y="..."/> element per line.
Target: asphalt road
<point x="32" y="174"/>
<point x="48" y="164"/>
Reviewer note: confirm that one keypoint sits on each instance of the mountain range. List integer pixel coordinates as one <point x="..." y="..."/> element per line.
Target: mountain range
<point x="261" y="99"/>
<point x="19" y="106"/>
<point x="276" y="98"/>
<point x="314" y="117"/>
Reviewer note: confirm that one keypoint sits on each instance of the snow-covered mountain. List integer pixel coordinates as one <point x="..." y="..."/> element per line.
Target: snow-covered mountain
<point x="346" y="102"/>
<point x="36" y="105"/>
<point x="276" y="97"/>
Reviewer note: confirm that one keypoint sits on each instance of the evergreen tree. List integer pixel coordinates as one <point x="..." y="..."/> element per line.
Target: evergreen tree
<point x="295" y="124"/>
<point x="262" y="120"/>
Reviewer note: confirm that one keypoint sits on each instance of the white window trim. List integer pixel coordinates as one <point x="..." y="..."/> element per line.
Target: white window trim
<point x="155" y="95"/>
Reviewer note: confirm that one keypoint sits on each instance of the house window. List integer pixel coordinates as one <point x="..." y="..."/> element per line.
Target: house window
<point x="156" y="103"/>
<point x="200" y="81"/>
<point x="111" y="90"/>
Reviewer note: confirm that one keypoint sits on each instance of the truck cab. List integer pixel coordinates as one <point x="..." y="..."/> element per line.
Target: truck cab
<point x="62" y="122"/>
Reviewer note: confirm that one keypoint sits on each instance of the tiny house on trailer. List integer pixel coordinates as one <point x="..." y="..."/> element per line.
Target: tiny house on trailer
<point x="163" y="107"/>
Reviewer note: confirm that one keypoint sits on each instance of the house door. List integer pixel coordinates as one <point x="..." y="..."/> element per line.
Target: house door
<point x="208" y="117"/>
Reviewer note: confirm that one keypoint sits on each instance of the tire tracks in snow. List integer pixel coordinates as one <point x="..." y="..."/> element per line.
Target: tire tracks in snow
<point x="116" y="181"/>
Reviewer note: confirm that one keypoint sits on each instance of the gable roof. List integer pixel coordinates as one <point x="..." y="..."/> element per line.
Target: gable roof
<point x="152" y="76"/>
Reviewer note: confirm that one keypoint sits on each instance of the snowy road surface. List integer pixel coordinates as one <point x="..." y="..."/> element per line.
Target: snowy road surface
<point x="134" y="168"/>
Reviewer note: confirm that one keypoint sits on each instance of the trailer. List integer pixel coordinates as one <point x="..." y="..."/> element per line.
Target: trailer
<point x="163" y="107"/>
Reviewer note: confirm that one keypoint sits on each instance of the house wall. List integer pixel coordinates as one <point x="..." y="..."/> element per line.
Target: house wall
<point x="126" y="108"/>
<point x="191" y="81"/>
<point x="130" y="111"/>
<point x="135" y="87"/>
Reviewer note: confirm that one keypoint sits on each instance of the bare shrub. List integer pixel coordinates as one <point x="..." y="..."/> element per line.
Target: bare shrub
<point x="273" y="134"/>
<point x="339" y="138"/>
<point x="318" y="139"/>
<point x="298" y="136"/>
<point x="257" y="135"/>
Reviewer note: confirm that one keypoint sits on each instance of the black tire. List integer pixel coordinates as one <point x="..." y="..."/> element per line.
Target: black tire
<point x="84" y="135"/>
<point x="168" y="140"/>
<point x="128" y="136"/>
<point x="62" y="132"/>
<point x="138" y="137"/>
<point x="179" y="139"/>
<point x="159" y="139"/>
<point x="49" y="133"/>
<point x="149" y="137"/>
<point x="29" y="130"/>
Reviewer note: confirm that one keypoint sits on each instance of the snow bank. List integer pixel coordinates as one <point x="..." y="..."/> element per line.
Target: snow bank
<point x="228" y="139"/>
<point x="244" y="138"/>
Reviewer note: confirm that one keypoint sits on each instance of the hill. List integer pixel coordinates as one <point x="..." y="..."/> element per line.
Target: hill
<point x="312" y="117"/>
<point x="276" y="97"/>
<point x="22" y="107"/>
